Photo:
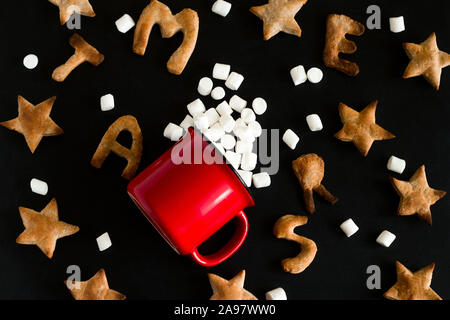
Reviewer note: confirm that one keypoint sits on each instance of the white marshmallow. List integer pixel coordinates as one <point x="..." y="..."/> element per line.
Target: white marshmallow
<point x="314" y="122"/>
<point x="276" y="294"/>
<point x="246" y="176"/>
<point x="349" y="227"/>
<point x="397" y="24"/>
<point x="290" y="138"/>
<point x="245" y="134"/>
<point x="396" y="164"/>
<point x="224" y="108"/>
<point x="386" y="238"/>
<point x="205" y="86"/>
<point x="107" y="102"/>
<point x="315" y="75"/>
<point x="187" y="122"/>
<point x="243" y="147"/>
<point x="196" y="107"/>
<point x="215" y="133"/>
<point x="255" y="128"/>
<point x="248" y="115"/>
<point x="233" y="158"/>
<point x="30" y="61"/>
<point x="259" y="105"/>
<point x="298" y="75"/>
<point x="227" y="122"/>
<point x="228" y="141"/>
<point x="221" y="71"/>
<point x="173" y="132"/>
<point x="221" y="7"/>
<point x="125" y="23"/>
<point x="201" y="122"/>
<point x="248" y="161"/>
<point x="237" y="103"/>
<point x="104" y="242"/>
<point x="39" y="186"/>
<point x="218" y="93"/>
<point x="212" y="115"/>
<point x="261" y="180"/>
<point x="234" y="81"/>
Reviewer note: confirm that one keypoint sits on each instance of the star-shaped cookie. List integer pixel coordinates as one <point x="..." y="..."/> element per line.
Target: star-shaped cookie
<point x="360" y="127"/>
<point x="229" y="289"/>
<point x="279" y="15"/>
<point x="44" y="228"/>
<point x="34" y="122"/>
<point x="68" y="7"/>
<point x="96" y="288"/>
<point x="416" y="197"/>
<point x="412" y="285"/>
<point x="427" y="60"/>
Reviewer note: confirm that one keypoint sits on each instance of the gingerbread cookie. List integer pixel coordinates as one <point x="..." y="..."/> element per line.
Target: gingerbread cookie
<point x="44" y="228"/>
<point x="279" y="15"/>
<point x="335" y="42"/>
<point x="34" y="122"/>
<point x="412" y="285"/>
<point x="416" y="197"/>
<point x="360" y="127"/>
<point x="229" y="289"/>
<point x="426" y="60"/>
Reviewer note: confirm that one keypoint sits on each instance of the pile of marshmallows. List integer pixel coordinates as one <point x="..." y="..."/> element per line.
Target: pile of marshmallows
<point x="233" y="137"/>
<point x="41" y="187"/>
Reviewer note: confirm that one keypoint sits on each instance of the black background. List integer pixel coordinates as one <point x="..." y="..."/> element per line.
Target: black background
<point x="140" y="264"/>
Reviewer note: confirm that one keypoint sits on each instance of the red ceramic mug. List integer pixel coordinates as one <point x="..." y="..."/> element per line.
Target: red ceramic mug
<point x="188" y="202"/>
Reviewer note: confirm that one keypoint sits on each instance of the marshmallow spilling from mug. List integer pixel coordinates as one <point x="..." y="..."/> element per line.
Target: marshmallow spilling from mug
<point x="231" y="126"/>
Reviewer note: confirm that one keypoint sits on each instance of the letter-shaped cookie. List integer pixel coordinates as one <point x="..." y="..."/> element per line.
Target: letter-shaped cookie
<point x="185" y="21"/>
<point x="310" y="169"/>
<point x="109" y="143"/>
<point x="284" y="229"/>
<point x="335" y="42"/>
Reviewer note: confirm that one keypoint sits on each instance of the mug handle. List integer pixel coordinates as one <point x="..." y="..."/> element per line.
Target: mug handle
<point x="230" y="248"/>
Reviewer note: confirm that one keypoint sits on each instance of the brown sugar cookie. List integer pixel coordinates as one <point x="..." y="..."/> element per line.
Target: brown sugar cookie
<point x="360" y="127"/>
<point x="416" y="197"/>
<point x="109" y="144"/>
<point x="426" y="60"/>
<point x="284" y="229"/>
<point x="84" y="52"/>
<point x="34" y="122"/>
<point x="279" y="15"/>
<point x="185" y="21"/>
<point x="44" y="228"/>
<point x="68" y="7"/>
<point x="310" y="169"/>
<point x="229" y="289"/>
<point x="335" y="42"/>
<point x="412" y="285"/>
<point x="96" y="288"/>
